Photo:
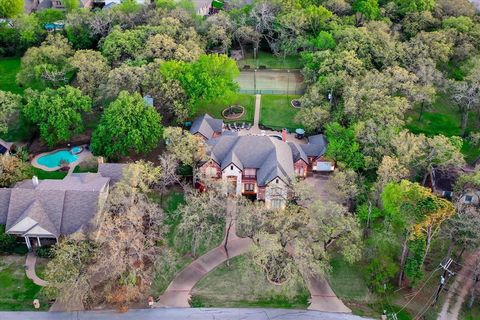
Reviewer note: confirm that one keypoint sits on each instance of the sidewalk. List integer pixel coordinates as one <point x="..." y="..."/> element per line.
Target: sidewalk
<point x="30" y="270"/>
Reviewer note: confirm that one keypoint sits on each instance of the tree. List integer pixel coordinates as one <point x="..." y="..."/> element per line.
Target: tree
<point x="208" y="78"/>
<point x="219" y="32"/>
<point x="10" y="104"/>
<point x="188" y="149"/>
<point x="47" y="63"/>
<point x="7" y="241"/>
<point x="300" y="239"/>
<point x="406" y="6"/>
<point x="128" y="124"/>
<point x="10" y="8"/>
<point x="67" y="273"/>
<point x="202" y="220"/>
<point x="124" y="78"/>
<point x="92" y="69"/>
<point x="366" y="9"/>
<point x="343" y="147"/>
<point x="312" y="119"/>
<point x="323" y="41"/>
<point x="418" y="215"/>
<point x="455" y="8"/>
<point x="466" y="94"/>
<point x="128" y="239"/>
<point x="12" y="170"/>
<point x="70" y="5"/>
<point x="344" y="187"/>
<point x="57" y="113"/>
<point x="122" y="45"/>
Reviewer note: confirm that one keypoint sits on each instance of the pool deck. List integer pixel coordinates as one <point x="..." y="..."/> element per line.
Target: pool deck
<point x="81" y="156"/>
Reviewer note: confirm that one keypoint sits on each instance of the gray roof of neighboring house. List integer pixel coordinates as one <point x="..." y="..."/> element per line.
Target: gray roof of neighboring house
<point x="45" y="4"/>
<point x="206" y="126"/>
<point x="316" y="146"/>
<point x="4" y="202"/>
<point x="5" y="146"/>
<point x="58" y="206"/>
<point x="114" y="171"/>
<point x="271" y="157"/>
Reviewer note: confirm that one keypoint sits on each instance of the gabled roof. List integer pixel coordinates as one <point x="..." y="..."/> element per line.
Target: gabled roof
<point x="297" y="152"/>
<point x="271" y="157"/>
<point x="316" y="146"/>
<point x="57" y="207"/>
<point x="206" y="126"/>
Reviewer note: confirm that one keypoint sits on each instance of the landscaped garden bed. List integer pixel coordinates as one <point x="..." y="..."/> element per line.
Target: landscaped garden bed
<point x="216" y="107"/>
<point x="234" y="112"/>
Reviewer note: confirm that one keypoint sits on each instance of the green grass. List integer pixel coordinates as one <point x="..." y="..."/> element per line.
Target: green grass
<point x="170" y="205"/>
<point x="277" y="112"/>
<point x="16" y="290"/>
<point x="42" y="175"/>
<point x="443" y="117"/>
<point x="270" y="61"/>
<point x="215" y="108"/>
<point x="9" y="68"/>
<point x="347" y="281"/>
<point x="243" y="285"/>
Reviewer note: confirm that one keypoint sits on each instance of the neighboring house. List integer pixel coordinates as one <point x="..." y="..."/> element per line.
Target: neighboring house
<point x="5" y="147"/>
<point x="261" y="167"/>
<point x="442" y="183"/>
<point x="207" y="127"/>
<point x="41" y="211"/>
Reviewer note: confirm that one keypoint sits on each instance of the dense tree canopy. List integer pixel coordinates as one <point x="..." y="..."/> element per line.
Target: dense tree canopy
<point x="57" y="113"/>
<point x="128" y="124"/>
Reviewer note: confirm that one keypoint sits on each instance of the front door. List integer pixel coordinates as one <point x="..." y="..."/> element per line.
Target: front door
<point x="232" y="185"/>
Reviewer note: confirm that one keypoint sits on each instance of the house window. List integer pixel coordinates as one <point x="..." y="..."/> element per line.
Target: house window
<point x="249" y="187"/>
<point x="250" y="173"/>
<point x="231" y="168"/>
<point x="276" y="181"/>
<point x="447" y="194"/>
<point x="277" y="203"/>
<point x="468" y="199"/>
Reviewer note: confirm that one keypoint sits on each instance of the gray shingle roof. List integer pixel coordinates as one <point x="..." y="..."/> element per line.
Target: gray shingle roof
<point x="316" y="146"/>
<point x="59" y="206"/>
<point x="114" y="171"/>
<point x="206" y="126"/>
<point x="297" y="152"/>
<point x="4" y="203"/>
<point x="271" y="157"/>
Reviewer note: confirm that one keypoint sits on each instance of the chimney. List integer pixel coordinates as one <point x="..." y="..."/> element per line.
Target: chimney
<point x="35" y="181"/>
<point x="284" y="135"/>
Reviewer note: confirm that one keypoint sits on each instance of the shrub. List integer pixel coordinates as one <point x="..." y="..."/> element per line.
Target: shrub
<point x="45" y="251"/>
<point x="7" y="241"/>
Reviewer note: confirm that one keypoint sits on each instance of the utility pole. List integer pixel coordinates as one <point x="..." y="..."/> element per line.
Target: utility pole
<point x="255" y="81"/>
<point x="445" y="265"/>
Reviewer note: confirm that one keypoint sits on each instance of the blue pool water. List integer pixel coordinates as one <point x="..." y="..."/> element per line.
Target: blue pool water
<point x="76" y="150"/>
<point x="52" y="160"/>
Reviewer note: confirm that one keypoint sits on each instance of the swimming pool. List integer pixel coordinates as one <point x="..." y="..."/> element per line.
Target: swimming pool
<point x="52" y="160"/>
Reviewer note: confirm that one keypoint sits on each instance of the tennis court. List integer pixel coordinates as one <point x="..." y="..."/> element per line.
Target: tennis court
<point x="271" y="82"/>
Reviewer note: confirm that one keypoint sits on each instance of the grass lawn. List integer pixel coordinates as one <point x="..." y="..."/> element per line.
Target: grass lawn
<point x="442" y="117"/>
<point x="277" y="112"/>
<point x="9" y="68"/>
<point x="16" y="290"/>
<point x="215" y="108"/>
<point x="270" y="61"/>
<point x="347" y="281"/>
<point x="242" y="285"/>
<point x="42" y="175"/>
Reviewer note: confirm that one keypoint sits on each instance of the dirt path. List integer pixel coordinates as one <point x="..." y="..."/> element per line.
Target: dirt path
<point x="459" y="289"/>
<point x="179" y="290"/>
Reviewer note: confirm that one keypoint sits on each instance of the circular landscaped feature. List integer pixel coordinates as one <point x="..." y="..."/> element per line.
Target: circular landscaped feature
<point x="296" y="103"/>
<point x="233" y="112"/>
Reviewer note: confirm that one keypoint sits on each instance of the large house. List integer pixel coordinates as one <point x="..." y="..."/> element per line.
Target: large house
<point x="44" y="210"/>
<point x="254" y="165"/>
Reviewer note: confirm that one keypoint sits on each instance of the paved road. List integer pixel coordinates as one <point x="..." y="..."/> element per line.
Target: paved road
<point x="182" y="314"/>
